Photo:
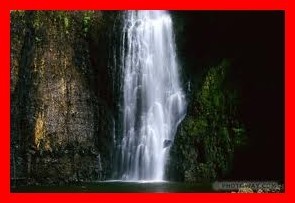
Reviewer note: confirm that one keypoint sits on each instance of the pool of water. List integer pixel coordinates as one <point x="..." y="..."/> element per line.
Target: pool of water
<point x="120" y="187"/>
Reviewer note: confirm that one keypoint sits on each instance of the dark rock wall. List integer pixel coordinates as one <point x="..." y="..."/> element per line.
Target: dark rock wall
<point x="207" y="138"/>
<point x="244" y="104"/>
<point x="60" y="117"/>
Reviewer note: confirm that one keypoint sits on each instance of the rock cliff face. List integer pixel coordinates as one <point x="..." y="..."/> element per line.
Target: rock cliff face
<point x="233" y="68"/>
<point x="60" y="117"/>
<point x="207" y="138"/>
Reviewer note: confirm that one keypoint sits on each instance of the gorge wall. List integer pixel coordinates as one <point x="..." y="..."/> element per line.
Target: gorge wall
<point x="61" y="106"/>
<point x="233" y="65"/>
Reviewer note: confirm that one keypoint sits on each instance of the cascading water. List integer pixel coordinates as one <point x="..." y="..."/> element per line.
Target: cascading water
<point x="153" y="100"/>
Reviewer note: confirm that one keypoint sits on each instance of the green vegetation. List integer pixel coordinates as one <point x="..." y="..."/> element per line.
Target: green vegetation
<point x="86" y="21"/>
<point x="206" y="140"/>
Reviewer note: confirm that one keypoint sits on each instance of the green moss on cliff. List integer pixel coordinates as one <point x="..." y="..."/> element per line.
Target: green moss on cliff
<point x="205" y="143"/>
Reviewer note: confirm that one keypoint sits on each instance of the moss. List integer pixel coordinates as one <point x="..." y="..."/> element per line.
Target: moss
<point x="39" y="129"/>
<point x="86" y="21"/>
<point x="207" y="138"/>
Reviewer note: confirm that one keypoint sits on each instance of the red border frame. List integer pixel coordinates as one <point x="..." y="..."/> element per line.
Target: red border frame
<point x="7" y="5"/>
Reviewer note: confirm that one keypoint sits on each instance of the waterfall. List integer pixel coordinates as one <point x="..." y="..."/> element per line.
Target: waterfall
<point x="153" y="100"/>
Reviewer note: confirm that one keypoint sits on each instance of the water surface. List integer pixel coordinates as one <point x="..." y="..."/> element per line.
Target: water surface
<point x="120" y="187"/>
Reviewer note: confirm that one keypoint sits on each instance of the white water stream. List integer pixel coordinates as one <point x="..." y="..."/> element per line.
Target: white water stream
<point x="154" y="102"/>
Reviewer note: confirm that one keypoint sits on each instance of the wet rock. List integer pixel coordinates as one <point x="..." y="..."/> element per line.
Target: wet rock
<point x="167" y="143"/>
<point x="58" y="112"/>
